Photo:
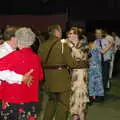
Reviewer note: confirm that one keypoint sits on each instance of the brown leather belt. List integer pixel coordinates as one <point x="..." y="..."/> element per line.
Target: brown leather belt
<point x="58" y="67"/>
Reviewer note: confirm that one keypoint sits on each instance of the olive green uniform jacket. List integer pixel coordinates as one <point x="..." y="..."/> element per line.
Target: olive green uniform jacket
<point x="57" y="80"/>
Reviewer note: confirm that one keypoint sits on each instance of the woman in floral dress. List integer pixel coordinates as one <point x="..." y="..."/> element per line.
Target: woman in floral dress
<point x="95" y="84"/>
<point x="79" y="96"/>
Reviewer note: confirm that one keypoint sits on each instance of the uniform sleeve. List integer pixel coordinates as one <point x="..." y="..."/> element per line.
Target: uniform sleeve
<point x="42" y="52"/>
<point x="10" y="77"/>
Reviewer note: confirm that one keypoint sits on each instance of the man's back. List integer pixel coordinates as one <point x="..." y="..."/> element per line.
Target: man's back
<point x="57" y="80"/>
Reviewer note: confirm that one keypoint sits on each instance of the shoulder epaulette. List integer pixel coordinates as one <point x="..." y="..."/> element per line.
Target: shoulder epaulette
<point x="63" y="41"/>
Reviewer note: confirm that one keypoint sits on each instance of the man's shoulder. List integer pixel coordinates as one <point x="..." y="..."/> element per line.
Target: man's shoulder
<point x="46" y="43"/>
<point x="13" y="54"/>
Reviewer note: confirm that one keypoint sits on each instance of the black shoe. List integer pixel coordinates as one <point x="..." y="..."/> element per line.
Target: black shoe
<point x="91" y="100"/>
<point x="90" y="103"/>
<point x="99" y="99"/>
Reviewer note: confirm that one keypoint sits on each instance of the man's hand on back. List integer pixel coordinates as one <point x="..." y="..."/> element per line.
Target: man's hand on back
<point x="27" y="78"/>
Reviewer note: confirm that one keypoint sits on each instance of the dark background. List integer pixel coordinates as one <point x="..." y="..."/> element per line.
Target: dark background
<point x="95" y="13"/>
<point x="85" y="9"/>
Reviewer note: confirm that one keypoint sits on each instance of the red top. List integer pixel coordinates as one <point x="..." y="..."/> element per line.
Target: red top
<point x="21" y="62"/>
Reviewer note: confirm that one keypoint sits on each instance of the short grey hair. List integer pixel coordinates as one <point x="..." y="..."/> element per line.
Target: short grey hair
<point x="25" y="37"/>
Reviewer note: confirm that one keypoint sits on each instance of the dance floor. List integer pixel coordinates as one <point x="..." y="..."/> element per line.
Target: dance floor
<point x="109" y="110"/>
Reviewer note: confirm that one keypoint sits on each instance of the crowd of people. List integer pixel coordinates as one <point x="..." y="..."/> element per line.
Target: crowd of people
<point x="75" y="71"/>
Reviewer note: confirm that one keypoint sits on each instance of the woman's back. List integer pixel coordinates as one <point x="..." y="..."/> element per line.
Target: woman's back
<point x="95" y="52"/>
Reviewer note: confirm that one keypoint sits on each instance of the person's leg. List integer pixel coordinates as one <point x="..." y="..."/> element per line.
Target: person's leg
<point x="50" y="107"/>
<point x="111" y="66"/>
<point x="107" y="74"/>
<point x="43" y="104"/>
<point x="63" y="106"/>
<point x="115" y="64"/>
<point x="91" y="89"/>
<point x="105" y="71"/>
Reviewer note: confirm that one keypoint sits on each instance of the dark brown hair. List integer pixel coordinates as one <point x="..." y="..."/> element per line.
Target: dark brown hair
<point x="76" y="31"/>
<point x="9" y="32"/>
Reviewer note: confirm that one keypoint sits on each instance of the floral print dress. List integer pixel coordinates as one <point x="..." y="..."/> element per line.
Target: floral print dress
<point x="95" y="74"/>
<point x="79" y="96"/>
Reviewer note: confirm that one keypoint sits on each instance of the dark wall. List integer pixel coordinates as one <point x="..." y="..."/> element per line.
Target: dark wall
<point x="77" y="9"/>
<point x="95" y="10"/>
<point x="110" y="25"/>
<point x="38" y="22"/>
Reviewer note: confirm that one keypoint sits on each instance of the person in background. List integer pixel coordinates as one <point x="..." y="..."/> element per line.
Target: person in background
<point x="116" y="41"/>
<point x="19" y="100"/>
<point x="84" y="38"/>
<point x="108" y="52"/>
<point x="1" y="38"/>
<point x="116" y="53"/>
<point x="95" y="84"/>
<point x="104" y="42"/>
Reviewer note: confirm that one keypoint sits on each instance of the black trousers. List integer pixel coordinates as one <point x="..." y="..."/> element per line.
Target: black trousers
<point x="116" y="68"/>
<point x="105" y="73"/>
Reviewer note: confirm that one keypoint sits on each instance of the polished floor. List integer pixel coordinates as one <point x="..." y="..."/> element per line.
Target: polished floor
<point x="109" y="110"/>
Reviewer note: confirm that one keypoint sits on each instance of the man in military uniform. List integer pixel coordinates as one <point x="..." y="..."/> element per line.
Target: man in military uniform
<point x="56" y="58"/>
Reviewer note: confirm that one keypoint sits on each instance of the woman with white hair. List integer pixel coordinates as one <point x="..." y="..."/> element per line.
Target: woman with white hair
<point x="19" y="100"/>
